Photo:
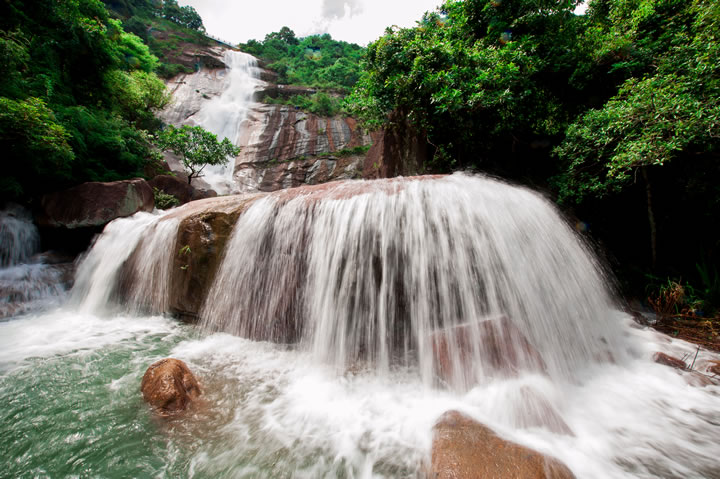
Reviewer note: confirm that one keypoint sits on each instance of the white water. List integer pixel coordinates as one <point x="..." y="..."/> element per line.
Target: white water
<point x="226" y="114"/>
<point x="26" y="283"/>
<point x="289" y="411"/>
<point x="370" y="277"/>
<point x="19" y="237"/>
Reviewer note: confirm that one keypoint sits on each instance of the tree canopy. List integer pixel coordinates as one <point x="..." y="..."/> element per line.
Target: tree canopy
<point x="78" y="95"/>
<point x="196" y="148"/>
<point x="316" y="60"/>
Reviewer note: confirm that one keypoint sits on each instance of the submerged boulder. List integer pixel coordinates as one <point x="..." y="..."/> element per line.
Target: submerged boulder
<point x="169" y="386"/>
<point x="488" y="348"/>
<point x="463" y="449"/>
<point x="667" y="360"/>
<point x="95" y="204"/>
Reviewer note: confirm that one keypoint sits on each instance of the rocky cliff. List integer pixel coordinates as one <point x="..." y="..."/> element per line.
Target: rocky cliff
<point x="281" y="147"/>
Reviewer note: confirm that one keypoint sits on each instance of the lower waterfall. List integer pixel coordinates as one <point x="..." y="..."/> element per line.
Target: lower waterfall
<point x="342" y="321"/>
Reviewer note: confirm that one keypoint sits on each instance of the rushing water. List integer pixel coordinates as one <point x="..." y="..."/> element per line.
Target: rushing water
<point x="224" y="114"/>
<point x="359" y="406"/>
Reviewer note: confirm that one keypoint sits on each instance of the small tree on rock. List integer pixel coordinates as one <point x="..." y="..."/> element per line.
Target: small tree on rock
<point x="196" y="147"/>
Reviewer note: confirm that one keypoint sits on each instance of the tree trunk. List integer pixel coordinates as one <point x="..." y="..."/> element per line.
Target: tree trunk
<point x="651" y="217"/>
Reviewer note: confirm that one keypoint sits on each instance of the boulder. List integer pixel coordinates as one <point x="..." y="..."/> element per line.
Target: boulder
<point x="95" y="204"/>
<point x="488" y="348"/>
<point x="714" y="368"/>
<point x="667" y="360"/>
<point x="180" y="188"/>
<point x="169" y="386"/>
<point x="463" y="448"/>
<point x="205" y="227"/>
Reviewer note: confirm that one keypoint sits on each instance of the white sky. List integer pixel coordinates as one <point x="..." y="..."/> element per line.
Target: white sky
<point x="356" y="21"/>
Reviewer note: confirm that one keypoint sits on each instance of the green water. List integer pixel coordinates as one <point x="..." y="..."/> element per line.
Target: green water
<point x="72" y="407"/>
<point x="80" y="414"/>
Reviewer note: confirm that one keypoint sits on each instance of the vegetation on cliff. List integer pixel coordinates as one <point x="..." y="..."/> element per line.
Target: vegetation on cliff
<point x="78" y="95"/>
<point x="315" y="61"/>
<point x="165" y="27"/>
<point x="616" y="111"/>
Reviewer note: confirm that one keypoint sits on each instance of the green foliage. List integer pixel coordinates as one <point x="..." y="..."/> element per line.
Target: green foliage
<point x="672" y="111"/>
<point x="478" y="77"/>
<point x="164" y="201"/>
<point x="196" y="148"/>
<point x="183" y="16"/>
<point x="77" y="94"/>
<point x="319" y="103"/>
<point x="37" y="146"/>
<point x="317" y="60"/>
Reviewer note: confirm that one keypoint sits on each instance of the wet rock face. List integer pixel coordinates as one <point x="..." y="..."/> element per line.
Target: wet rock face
<point x="465" y="449"/>
<point x="169" y="386"/>
<point x="95" y="204"/>
<point x="667" y="360"/>
<point x="491" y="347"/>
<point x="179" y="187"/>
<point x="397" y="150"/>
<point x="285" y="148"/>
<point x="204" y="230"/>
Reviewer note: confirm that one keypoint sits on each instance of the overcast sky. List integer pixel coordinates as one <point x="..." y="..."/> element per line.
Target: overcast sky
<point x="357" y="21"/>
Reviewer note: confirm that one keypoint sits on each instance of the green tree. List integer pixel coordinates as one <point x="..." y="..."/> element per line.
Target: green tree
<point x="196" y="148"/>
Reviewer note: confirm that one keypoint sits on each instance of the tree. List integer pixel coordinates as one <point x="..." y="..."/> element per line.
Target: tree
<point x="196" y="147"/>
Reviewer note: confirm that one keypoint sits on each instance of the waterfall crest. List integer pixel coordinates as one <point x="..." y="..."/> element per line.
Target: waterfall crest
<point x="369" y="271"/>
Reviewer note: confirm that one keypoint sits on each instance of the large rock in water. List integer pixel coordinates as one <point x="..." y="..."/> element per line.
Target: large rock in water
<point x="465" y="449"/>
<point x="205" y="227"/>
<point x="95" y="204"/>
<point x="169" y="386"/>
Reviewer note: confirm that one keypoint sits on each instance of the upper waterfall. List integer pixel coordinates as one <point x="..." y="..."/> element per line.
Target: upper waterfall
<point x="222" y="108"/>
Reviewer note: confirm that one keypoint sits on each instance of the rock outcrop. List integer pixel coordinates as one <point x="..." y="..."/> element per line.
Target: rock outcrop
<point x="486" y="348"/>
<point x="95" y="204"/>
<point x="397" y="150"/>
<point x="205" y="227"/>
<point x="282" y="147"/>
<point x="190" y="54"/>
<point x="179" y="187"/>
<point x="169" y="386"/>
<point x="465" y="449"/>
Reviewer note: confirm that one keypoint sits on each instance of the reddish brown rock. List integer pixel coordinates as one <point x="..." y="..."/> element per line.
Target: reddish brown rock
<point x="179" y="187"/>
<point x="397" y="150"/>
<point x="465" y="449"/>
<point x="493" y="347"/>
<point x="714" y="368"/>
<point x="662" y="358"/>
<point x="169" y="386"/>
<point x="532" y="409"/>
<point x="95" y="204"/>
<point x="205" y="227"/>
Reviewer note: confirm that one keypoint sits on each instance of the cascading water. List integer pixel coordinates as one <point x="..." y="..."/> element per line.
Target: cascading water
<point x="19" y="237"/>
<point x="360" y="277"/>
<point x="372" y="276"/>
<point x="26" y="283"/>
<point x="226" y="114"/>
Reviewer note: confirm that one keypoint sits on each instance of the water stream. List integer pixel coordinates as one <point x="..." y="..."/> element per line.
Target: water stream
<point x="225" y="113"/>
<point x="354" y="278"/>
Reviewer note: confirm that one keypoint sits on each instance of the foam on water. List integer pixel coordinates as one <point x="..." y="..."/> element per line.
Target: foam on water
<point x="69" y="379"/>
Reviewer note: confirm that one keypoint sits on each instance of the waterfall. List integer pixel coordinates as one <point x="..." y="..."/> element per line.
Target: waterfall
<point x="19" y="237"/>
<point x="224" y="114"/>
<point x="372" y="272"/>
<point x="131" y="258"/>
